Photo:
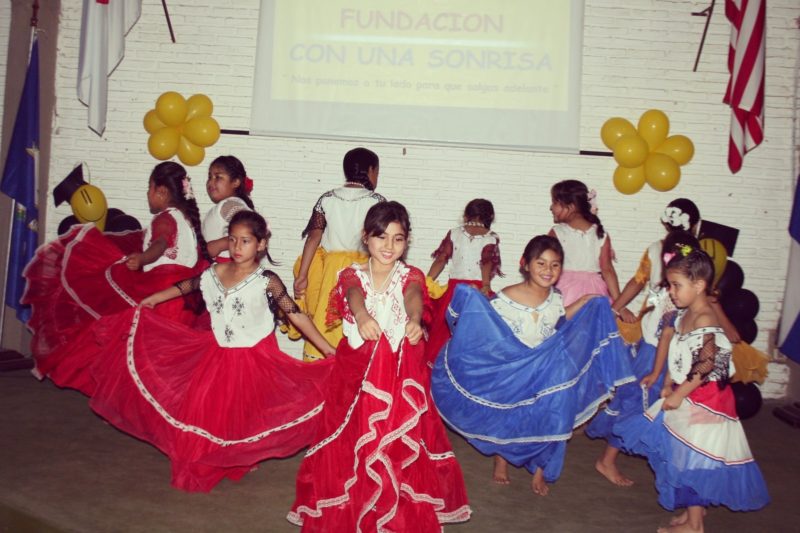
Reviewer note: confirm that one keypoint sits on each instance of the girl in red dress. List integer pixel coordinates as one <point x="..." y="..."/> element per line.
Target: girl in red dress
<point x="473" y="250"/>
<point x="215" y="402"/>
<point x="381" y="459"/>
<point x="86" y="274"/>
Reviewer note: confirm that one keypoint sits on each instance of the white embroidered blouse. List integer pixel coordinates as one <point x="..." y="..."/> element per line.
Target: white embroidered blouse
<point x="242" y="315"/>
<point x="704" y="351"/>
<point x="215" y="223"/>
<point x="340" y="214"/>
<point x="531" y="325"/>
<point x="581" y="248"/>
<point x="180" y="237"/>
<point x="468" y="253"/>
<point x="386" y="307"/>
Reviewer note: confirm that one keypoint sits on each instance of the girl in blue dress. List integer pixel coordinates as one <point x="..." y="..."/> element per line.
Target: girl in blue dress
<point x="517" y="377"/>
<point x="692" y="436"/>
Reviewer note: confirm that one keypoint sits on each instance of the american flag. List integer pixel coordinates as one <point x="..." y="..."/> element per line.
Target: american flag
<point x="745" y="93"/>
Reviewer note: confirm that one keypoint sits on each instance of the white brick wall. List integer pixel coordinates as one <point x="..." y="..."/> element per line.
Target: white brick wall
<point x="635" y="58"/>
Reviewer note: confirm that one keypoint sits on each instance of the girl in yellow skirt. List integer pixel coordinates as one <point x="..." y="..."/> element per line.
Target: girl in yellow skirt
<point x="333" y="241"/>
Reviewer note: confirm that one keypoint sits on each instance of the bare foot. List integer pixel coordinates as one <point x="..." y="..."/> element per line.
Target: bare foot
<point x="612" y="473"/>
<point x="538" y="483"/>
<point x="500" y="475"/>
<point x="682" y="518"/>
<point x="680" y="528"/>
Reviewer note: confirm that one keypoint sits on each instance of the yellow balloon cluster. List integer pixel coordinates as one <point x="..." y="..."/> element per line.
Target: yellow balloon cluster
<point x="180" y="126"/>
<point x="645" y="154"/>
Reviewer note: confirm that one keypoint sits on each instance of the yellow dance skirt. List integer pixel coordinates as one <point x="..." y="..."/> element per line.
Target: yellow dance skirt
<point x="323" y="274"/>
<point x="435" y="290"/>
<point x="751" y="364"/>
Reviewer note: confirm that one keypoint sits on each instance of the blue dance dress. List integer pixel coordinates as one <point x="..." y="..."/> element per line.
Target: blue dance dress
<point x="699" y="451"/>
<point x="520" y="402"/>
<point x="631" y="400"/>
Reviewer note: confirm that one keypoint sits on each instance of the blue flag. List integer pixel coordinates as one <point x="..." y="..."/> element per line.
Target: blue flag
<point x="19" y="182"/>
<point x="790" y="320"/>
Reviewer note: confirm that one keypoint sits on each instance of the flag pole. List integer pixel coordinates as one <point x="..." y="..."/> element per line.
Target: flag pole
<point x="34" y="28"/>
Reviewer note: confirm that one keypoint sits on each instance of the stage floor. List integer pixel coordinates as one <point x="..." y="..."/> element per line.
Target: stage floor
<point x="63" y="469"/>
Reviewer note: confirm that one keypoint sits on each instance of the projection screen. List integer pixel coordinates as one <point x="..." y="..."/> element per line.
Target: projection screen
<point x="465" y="72"/>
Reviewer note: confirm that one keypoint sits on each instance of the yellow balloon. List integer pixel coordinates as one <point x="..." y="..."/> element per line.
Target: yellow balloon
<point x="198" y="105"/>
<point x="661" y="172"/>
<point x="151" y="122"/>
<point x="718" y="254"/>
<point x="189" y="153"/>
<point x="678" y="147"/>
<point x="629" y="180"/>
<point x="203" y="131"/>
<point x="164" y="143"/>
<point x="630" y="151"/>
<point x="89" y="205"/>
<point x="653" y="127"/>
<point x="171" y="108"/>
<point x="615" y="128"/>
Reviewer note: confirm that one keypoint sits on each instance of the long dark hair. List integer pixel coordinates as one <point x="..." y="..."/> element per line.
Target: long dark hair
<point x="480" y="209"/>
<point x="357" y="163"/>
<point x="574" y="192"/>
<point x="695" y="264"/>
<point x="382" y="214"/>
<point x="236" y="171"/>
<point x="258" y="227"/>
<point x="171" y="176"/>
<point x="673" y="243"/>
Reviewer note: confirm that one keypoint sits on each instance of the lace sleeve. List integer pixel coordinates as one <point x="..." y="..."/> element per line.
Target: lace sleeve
<point x="164" y="226"/>
<point x="709" y="361"/>
<point x="491" y="255"/>
<point x="278" y="299"/>
<point x="338" y="309"/>
<point x="445" y="248"/>
<point x="188" y="285"/>
<point x="416" y="276"/>
<point x="230" y="207"/>
<point x="317" y="220"/>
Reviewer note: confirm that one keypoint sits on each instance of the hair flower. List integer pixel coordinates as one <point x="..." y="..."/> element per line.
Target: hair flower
<point x="188" y="193"/>
<point x="673" y="216"/>
<point x="592" y="197"/>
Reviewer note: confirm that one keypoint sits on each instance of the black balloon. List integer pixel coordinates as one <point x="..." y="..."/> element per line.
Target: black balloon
<point x="748" y="399"/>
<point x="732" y="278"/>
<point x="740" y="305"/>
<point x="67" y="223"/>
<point x="122" y="222"/>
<point x="112" y="212"/>
<point x="748" y="330"/>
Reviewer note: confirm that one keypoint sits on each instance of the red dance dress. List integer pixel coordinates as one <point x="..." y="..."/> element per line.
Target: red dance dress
<point x="467" y="255"/>
<point x="81" y="277"/>
<point x="381" y="460"/>
<point x="215" y="402"/>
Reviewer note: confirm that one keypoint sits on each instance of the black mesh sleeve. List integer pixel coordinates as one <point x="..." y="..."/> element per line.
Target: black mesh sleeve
<point x="317" y="220"/>
<point x="280" y="303"/>
<point x="188" y="285"/>
<point x="709" y="360"/>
